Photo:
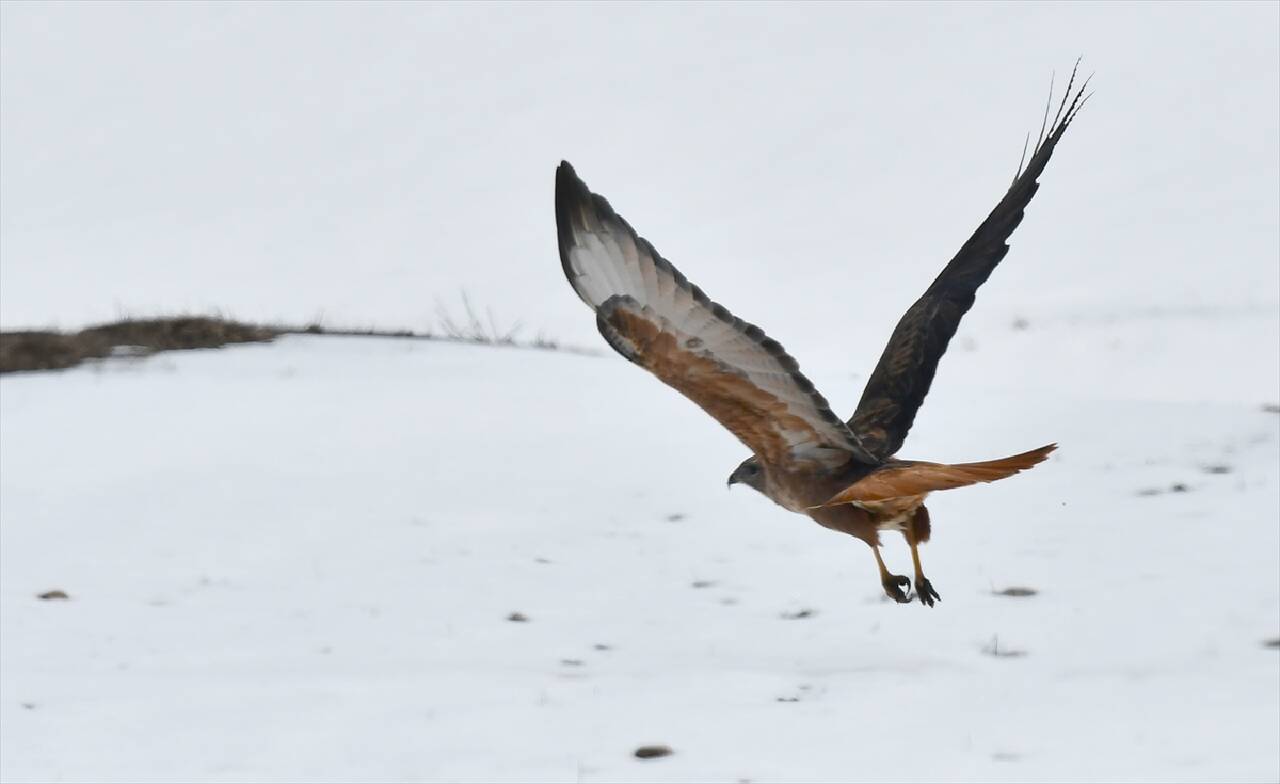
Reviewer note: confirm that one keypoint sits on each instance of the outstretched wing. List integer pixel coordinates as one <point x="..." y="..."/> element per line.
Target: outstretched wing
<point x="901" y="380"/>
<point x="650" y="314"/>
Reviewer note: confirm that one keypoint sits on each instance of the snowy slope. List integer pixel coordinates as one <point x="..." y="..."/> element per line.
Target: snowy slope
<point x="297" y="561"/>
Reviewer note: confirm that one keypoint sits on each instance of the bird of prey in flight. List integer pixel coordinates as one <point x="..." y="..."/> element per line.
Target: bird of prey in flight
<point x="844" y="475"/>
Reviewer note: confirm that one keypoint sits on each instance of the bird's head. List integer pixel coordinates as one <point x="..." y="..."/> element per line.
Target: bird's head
<point x="748" y="473"/>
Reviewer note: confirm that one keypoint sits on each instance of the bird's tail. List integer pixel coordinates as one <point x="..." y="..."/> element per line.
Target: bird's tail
<point x="913" y="478"/>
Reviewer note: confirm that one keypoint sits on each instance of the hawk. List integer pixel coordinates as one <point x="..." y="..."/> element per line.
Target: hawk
<point x="845" y="475"/>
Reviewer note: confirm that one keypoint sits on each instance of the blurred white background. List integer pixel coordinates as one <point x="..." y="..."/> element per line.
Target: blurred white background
<point x="357" y="163"/>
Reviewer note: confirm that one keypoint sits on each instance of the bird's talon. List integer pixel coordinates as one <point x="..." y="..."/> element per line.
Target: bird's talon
<point x="924" y="589"/>
<point x="893" y="585"/>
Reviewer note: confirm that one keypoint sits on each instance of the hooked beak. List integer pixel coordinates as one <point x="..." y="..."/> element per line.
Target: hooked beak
<point x="733" y="480"/>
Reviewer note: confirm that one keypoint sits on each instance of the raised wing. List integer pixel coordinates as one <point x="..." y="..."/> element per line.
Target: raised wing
<point x="902" y="378"/>
<point x="650" y="314"/>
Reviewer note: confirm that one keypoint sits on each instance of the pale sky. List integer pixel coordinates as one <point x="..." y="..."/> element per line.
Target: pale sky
<point x="810" y="166"/>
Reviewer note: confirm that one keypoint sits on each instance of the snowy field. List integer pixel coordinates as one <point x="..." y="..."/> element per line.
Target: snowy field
<point x="299" y="561"/>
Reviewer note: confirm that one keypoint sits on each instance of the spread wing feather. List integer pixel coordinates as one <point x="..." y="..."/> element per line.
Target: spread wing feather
<point x="653" y="316"/>
<point x="902" y="378"/>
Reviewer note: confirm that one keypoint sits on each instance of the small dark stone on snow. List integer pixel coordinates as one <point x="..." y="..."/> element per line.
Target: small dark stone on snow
<point x="674" y="518"/>
<point x="602" y="647"/>
<point x="1272" y="643"/>
<point x="1271" y="408"/>
<point x="1017" y="591"/>
<point x="571" y="662"/>
<point x="799" y="615"/>
<point x="1176" y="487"/>
<point x="54" y="594"/>
<point x="1020" y="324"/>
<point x="652" y="752"/>
<point x="788" y="699"/>
<point x="518" y="617"/>
<point x="1217" y="469"/>
<point x="702" y="583"/>
<point x="28" y="706"/>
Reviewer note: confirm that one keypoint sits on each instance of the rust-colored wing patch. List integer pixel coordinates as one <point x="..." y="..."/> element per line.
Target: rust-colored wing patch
<point x="653" y="316"/>
<point x="759" y="418"/>
<point x="899" y="479"/>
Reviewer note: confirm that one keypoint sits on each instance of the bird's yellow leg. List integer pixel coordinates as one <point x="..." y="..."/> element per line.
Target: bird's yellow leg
<point x="924" y="588"/>
<point x="893" y="583"/>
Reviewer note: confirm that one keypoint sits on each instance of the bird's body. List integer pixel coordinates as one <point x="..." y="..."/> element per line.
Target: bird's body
<point x="843" y="475"/>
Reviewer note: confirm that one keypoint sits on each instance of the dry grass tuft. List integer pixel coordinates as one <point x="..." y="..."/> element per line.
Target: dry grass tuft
<point x="21" y="351"/>
<point x="46" y="350"/>
<point x="50" y="350"/>
<point x="173" y="334"/>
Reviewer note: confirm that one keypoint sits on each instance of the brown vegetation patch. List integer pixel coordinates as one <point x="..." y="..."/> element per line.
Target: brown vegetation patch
<point x="56" y="350"/>
<point x="46" y="350"/>
<point x="170" y="334"/>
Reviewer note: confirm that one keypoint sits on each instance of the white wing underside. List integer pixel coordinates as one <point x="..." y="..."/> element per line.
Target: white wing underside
<point x="611" y="267"/>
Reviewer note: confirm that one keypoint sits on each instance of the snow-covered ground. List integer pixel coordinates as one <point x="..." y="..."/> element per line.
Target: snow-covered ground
<point x="297" y="562"/>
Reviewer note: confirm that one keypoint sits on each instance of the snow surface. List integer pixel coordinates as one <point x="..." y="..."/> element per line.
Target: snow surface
<point x="296" y="561"/>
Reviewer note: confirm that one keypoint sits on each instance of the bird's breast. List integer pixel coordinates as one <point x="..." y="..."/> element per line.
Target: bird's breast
<point x="797" y="492"/>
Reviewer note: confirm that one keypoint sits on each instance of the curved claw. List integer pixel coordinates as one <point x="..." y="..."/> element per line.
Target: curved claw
<point x="926" y="593"/>
<point x="893" y="585"/>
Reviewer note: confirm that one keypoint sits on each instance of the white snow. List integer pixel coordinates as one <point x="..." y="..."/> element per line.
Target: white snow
<point x="296" y="561"/>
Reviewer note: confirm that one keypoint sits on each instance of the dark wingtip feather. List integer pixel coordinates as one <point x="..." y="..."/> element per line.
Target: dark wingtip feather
<point x="1023" y="160"/>
<point x="571" y="194"/>
<point x="896" y="390"/>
